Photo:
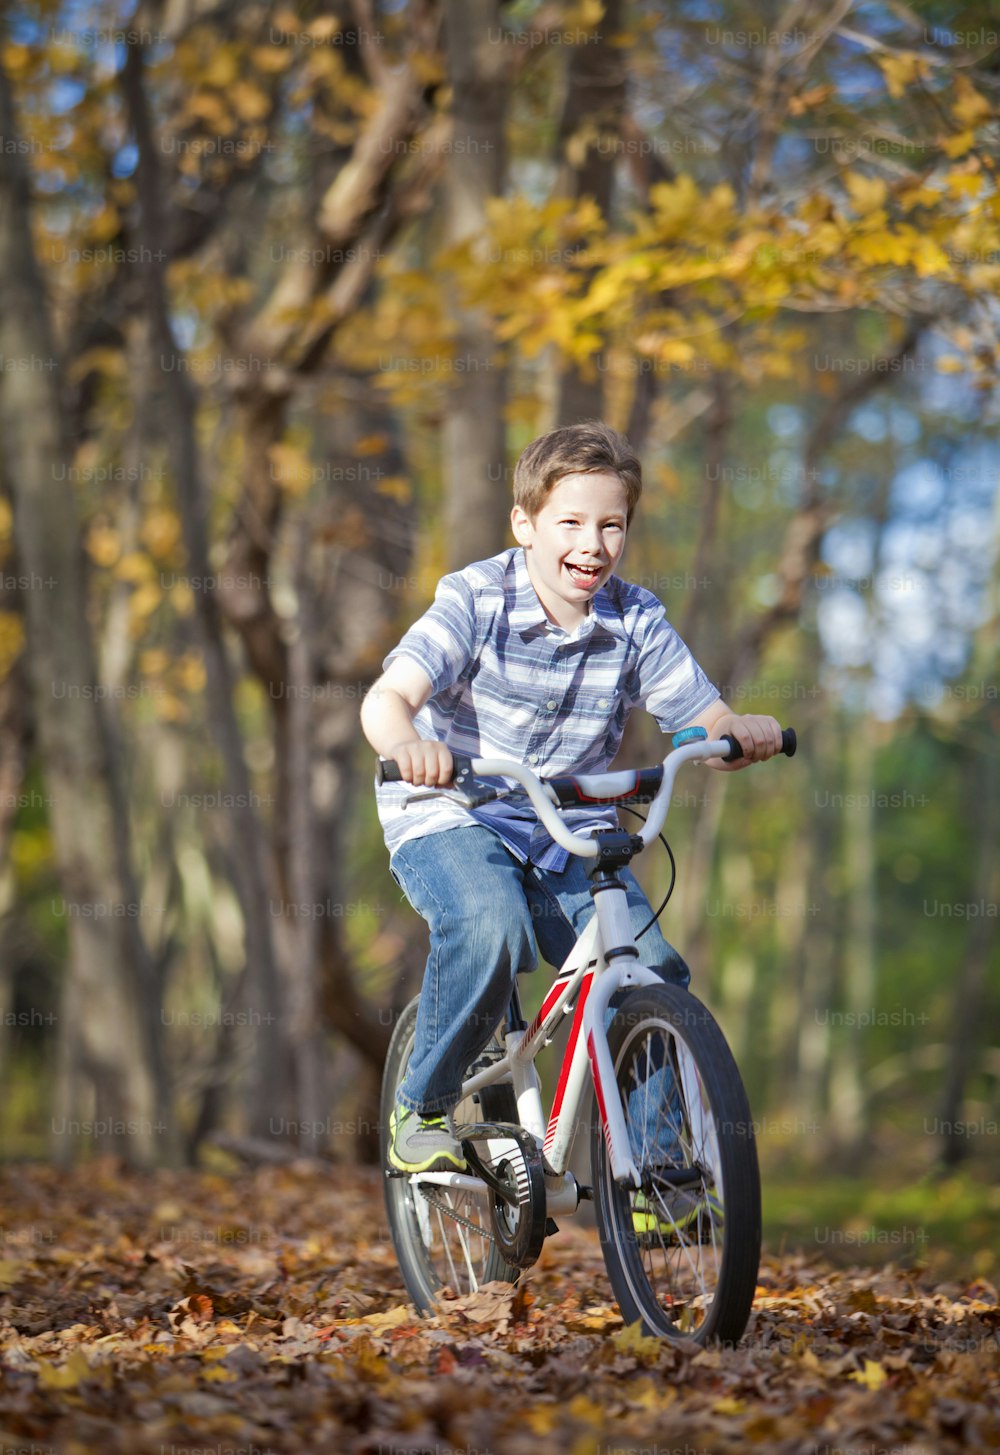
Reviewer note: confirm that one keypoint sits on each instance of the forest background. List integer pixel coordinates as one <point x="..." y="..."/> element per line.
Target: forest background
<point x="284" y="290"/>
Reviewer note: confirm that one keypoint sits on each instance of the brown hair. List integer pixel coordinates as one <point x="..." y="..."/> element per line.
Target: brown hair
<point x="590" y="448"/>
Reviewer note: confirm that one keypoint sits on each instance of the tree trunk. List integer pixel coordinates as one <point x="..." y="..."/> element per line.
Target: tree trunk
<point x="589" y="137"/>
<point x="818" y="966"/>
<point x="110" y="1067"/>
<point x="249" y="849"/>
<point x="970" y="982"/>
<point x="477" y="486"/>
<point x="848" y="1094"/>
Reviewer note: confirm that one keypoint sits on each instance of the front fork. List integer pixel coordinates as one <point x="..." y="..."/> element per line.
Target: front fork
<point x="623" y="969"/>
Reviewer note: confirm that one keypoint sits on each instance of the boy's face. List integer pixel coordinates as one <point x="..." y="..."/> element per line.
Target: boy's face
<point x="575" y="541"/>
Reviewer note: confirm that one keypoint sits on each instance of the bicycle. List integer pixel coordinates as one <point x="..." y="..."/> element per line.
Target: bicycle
<point x="676" y="1184"/>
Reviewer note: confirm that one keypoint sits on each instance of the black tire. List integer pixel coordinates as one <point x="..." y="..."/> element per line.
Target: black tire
<point x="435" y="1249"/>
<point x="694" y="1281"/>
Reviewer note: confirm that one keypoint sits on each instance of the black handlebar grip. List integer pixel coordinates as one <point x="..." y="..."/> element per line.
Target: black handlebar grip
<point x="788" y="745"/>
<point x="387" y="771"/>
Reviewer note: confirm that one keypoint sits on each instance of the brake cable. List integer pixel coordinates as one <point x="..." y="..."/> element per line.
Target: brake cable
<point x="673" y="872"/>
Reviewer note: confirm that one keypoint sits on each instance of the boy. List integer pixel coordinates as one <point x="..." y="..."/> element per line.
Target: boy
<point x="537" y="654"/>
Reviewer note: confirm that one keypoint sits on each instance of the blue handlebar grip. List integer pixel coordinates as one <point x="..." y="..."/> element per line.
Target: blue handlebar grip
<point x="688" y="735"/>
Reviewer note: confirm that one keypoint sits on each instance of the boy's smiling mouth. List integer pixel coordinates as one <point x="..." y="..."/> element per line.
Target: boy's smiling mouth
<point x="583" y="575"/>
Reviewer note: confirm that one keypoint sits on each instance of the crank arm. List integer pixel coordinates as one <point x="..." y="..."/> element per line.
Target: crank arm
<point x="494" y="1131"/>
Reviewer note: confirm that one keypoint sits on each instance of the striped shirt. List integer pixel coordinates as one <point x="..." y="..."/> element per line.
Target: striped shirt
<point x="506" y="682"/>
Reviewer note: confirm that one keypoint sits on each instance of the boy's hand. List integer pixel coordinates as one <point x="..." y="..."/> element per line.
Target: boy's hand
<point x="423" y="762"/>
<point x="759" y="737"/>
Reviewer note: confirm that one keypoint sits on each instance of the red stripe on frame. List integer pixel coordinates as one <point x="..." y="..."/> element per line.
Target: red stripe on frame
<point x="546" y="1006"/>
<point x="574" y="1036"/>
<point x="598" y="1088"/>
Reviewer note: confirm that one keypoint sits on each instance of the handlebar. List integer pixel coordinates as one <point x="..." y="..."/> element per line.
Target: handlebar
<point x="645" y="785"/>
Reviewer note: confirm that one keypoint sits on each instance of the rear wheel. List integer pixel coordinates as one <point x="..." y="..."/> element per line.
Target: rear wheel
<point x="683" y="1250"/>
<point x="443" y="1236"/>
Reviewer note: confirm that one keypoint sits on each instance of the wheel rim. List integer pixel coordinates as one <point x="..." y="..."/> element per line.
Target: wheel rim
<point x="671" y="1230"/>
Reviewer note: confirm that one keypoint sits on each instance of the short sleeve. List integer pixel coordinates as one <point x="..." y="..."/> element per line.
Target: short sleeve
<point x="667" y="680"/>
<point x="442" y="641"/>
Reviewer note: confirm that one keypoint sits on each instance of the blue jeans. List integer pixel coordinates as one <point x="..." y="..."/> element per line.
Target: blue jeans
<point x="489" y="915"/>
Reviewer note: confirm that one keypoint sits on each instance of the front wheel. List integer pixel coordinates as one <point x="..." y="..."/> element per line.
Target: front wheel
<point x="683" y="1249"/>
<point x="444" y="1237"/>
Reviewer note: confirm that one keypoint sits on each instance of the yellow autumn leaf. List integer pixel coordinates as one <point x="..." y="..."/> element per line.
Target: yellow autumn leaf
<point x="542" y="1419"/>
<point x="929" y="258"/>
<point x="324" y="27"/>
<point x="631" y="1340"/>
<point x="136" y="567"/>
<point x="372" y="444"/>
<point x="391" y="1319"/>
<point x="11" y="647"/>
<point x="900" y="71"/>
<point x="249" y="102"/>
<point x="218" y="1374"/>
<point x="866" y="193"/>
<point x="291" y="467"/>
<point x="729" y="1406"/>
<point x="190" y="673"/>
<point x="963" y="182"/>
<point x="222" y="69"/>
<point x="397" y="487"/>
<point x="585" y="13"/>
<point x="181" y="597"/>
<point x="873" y="1376"/>
<point x="971" y="108"/>
<point x="103" y="226"/>
<point x="207" y="106"/>
<point x="881" y="247"/>
<point x="109" y="362"/>
<point x="171" y="709"/>
<point x="957" y="146"/>
<point x="15" y="58"/>
<point x="950" y="364"/>
<point x="272" y="58"/>
<point x="160" y="532"/>
<point x="103" y="545"/>
<point x="10" y="1268"/>
<point x="145" y="600"/>
<point x="154" y="662"/>
<point x="64" y="1376"/>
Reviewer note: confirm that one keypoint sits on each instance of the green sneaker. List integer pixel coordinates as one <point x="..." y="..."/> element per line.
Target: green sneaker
<point x="422" y="1144"/>
<point x="659" y="1219"/>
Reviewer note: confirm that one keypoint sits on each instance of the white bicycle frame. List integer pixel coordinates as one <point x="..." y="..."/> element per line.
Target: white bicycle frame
<point x="586" y="981"/>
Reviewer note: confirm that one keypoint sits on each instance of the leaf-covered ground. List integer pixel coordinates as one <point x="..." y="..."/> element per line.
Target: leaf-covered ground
<point x="181" y="1314"/>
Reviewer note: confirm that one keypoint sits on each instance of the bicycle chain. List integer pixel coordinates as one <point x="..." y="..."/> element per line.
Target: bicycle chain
<point x="456" y="1216"/>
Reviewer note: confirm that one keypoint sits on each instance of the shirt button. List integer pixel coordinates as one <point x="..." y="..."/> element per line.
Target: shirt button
<point x="532" y="757"/>
<point x="602" y="702"/>
<point x="552" y="704"/>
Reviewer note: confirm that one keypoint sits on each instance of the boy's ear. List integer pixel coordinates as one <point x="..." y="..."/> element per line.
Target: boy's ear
<point x="520" y="524"/>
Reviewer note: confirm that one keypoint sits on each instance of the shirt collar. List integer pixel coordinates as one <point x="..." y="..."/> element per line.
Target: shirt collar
<point x="528" y="613"/>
